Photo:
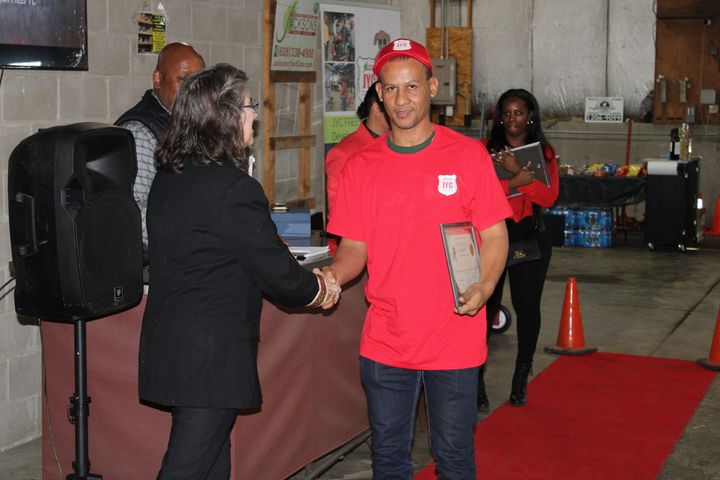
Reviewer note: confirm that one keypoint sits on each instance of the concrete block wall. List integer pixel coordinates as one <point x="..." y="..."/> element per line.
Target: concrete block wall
<point x="221" y="30"/>
<point x="561" y="50"/>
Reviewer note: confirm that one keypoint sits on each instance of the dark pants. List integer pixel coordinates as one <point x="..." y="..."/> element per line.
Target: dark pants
<point x="526" y="286"/>
<point x="392" y="395"/>
<point x="199" y="445"/>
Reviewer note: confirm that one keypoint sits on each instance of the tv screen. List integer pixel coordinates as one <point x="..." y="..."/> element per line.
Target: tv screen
<point x="43" y="34"/>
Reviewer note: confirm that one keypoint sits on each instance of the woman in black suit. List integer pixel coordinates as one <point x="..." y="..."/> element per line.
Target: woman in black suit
<point x="213" y="250"/>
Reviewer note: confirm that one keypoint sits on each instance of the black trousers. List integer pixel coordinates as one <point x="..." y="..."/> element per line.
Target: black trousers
<point x="526" y="286"/>
<point x="199" y="445"/>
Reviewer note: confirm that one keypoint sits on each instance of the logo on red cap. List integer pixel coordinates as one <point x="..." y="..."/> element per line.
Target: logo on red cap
<point x="402" y="47"/>
<point x="401" y="44"/>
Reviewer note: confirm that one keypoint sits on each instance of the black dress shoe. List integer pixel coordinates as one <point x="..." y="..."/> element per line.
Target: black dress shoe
<point x="518" y="393"/>
<point x="483" y="404"/>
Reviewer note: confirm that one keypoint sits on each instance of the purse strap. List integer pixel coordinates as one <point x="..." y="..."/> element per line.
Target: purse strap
<point x="538" y="213"/>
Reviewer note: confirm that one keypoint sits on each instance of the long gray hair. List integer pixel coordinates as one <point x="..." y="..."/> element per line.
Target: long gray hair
<point x="206" y="122"/>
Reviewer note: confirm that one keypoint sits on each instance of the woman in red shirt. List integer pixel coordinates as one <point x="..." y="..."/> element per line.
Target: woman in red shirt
<point x="517" y="123"/>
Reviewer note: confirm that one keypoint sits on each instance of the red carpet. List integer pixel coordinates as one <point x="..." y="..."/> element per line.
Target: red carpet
<point x="599" y="416"/>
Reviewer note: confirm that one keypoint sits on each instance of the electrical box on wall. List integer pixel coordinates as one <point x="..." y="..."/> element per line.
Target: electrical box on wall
<point x="445" y="71"/>
<point x="707" y="96"/>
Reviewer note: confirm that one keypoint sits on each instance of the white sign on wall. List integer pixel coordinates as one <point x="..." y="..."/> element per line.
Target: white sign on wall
<point x="604" y="109"/>
<point x="295" y="36"/>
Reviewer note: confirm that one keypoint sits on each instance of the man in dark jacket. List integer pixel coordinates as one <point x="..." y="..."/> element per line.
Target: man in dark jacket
<point x="149" y="118"/>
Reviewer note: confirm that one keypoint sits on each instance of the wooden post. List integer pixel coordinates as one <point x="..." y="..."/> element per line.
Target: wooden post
<point x="305" y="124"/>
<point x="268" y="102"/>
<point x="469" y="13"/>
<point x="460" y="48"/>
<point x="305" y="141"/>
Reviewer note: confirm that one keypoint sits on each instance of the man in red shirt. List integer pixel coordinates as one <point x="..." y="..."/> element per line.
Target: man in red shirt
<point x="392" y="198"/>
<point x="374" y="123"/>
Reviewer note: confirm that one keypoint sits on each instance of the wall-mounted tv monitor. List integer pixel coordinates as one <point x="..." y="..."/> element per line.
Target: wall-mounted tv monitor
<point x="43" y="34"/>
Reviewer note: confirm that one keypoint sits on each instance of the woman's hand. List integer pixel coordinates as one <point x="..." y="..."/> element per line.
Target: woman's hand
<point x="328" y="290"/>
<point x="506" y="159"/>
<point x="524" y="177"/>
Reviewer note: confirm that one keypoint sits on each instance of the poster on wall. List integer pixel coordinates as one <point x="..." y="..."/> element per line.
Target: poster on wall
<point x="295" y="36"/>
<point x="151" y="33"/>
<point x="352" y="35"/>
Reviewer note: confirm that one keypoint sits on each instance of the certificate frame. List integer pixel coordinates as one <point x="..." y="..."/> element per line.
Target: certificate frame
<point x="462" y="256"/>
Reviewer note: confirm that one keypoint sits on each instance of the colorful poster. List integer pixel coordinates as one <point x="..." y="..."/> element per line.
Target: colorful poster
<point x="150" y="32"/>
<point x="352" y="35"/>
<point x="295" y="37"/>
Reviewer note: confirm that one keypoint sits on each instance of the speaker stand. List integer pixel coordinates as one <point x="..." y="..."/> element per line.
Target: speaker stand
<point x="79" y="409"/>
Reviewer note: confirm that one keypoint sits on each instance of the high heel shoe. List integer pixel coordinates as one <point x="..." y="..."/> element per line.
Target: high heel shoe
<point x="518" y="393"/>
<point x="483" y="404"/>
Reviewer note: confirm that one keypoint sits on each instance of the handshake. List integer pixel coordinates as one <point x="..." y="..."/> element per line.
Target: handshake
<point x="328" y="289"/>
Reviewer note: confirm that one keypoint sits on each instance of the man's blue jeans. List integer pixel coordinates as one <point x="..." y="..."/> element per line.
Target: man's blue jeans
<point x="392" y="395"/>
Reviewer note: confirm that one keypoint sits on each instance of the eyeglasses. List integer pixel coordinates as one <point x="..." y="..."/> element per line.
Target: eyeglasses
<point x="254" y="104"/>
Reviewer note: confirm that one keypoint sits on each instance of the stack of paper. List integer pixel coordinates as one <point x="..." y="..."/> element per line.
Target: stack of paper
<point x="309" y="254"/>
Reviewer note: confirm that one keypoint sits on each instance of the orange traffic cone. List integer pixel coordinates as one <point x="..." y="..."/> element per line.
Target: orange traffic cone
<point x="570" y="340"/>
<point x="714" y="230"/>
<point x="713" y="361"/>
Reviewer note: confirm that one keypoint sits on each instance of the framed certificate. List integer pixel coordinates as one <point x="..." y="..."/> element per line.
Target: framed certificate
<point x="462" y="255"/>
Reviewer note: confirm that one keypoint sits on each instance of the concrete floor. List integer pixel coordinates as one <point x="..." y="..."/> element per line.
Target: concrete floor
<point x="663" y="303"/>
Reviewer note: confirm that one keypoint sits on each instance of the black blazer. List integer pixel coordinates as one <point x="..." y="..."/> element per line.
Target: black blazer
<point x="213" y="249"/>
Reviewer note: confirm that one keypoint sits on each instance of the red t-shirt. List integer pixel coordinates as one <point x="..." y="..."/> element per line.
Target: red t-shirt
<point x="395" y="203"/>
<point x="338" y="155"/>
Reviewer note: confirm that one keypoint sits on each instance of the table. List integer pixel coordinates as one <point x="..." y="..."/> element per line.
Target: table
<point x="585" y="191"/>
<point x="308" y="365"/>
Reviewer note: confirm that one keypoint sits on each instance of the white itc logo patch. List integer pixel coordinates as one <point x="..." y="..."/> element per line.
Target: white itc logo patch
<point x="447" y="184"/>
<point x="401" y="45"/>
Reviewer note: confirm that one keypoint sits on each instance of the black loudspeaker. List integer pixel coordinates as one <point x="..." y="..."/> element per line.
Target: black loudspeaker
<point x="671" y="207"/>
<point x="75" y="228"/>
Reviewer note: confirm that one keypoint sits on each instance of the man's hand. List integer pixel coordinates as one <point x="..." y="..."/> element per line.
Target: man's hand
<point x="473" y="299"/>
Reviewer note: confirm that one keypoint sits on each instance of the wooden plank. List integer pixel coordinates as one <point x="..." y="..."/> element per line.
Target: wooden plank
<point x="685" y="9"/>
<point x="268" y="106"/>
<point x="305" y="187"/>
<point x="460" y="48"/>
<point x="684" y="50"/>
<point x="305" y="141"/>
<point x="292" y="77"/>
<point x="293" y="141"/>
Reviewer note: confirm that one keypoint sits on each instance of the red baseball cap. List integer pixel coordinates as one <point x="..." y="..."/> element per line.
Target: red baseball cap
<point x="402" y="47"/>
